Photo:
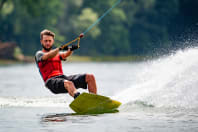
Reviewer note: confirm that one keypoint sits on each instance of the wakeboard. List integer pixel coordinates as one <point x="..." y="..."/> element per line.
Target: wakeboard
<point x="87" y="103"/>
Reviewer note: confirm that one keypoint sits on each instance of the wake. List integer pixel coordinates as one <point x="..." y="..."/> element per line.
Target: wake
<point x="169" y="81"/>
<point x="55" y="101"/>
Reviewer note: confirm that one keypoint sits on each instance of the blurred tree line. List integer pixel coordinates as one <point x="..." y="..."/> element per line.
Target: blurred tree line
<point x="134" y="27"/>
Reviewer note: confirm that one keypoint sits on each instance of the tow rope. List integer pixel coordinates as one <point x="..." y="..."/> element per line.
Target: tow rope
<point x="90" y="27"/>
<point x="100" y="18"/>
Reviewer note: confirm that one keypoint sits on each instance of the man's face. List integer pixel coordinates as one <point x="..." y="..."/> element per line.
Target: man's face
<point x="47" y="42"/>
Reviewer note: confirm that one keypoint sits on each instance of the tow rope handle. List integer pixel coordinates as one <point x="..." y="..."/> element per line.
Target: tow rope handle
<point x="76" y="39"/>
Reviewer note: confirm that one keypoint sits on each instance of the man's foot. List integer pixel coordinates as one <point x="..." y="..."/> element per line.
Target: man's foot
<point x="76" y="95"/>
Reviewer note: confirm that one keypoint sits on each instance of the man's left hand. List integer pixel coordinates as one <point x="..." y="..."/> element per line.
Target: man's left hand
<point x="74" y="47"/>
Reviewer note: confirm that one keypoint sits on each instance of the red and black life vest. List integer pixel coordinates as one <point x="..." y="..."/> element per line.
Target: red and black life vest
<point x="51" y="67"/>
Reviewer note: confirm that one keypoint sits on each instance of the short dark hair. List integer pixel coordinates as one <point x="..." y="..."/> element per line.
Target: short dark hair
<point x="47" y="32"/>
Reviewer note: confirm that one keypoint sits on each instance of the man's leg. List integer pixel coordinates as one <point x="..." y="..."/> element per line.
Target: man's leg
<point x="90" y="79"/>
<point x="69" y="86"/>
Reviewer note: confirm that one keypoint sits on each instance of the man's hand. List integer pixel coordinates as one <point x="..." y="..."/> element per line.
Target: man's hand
<point x="74" y="47"/>
<point x="63" y="48"/>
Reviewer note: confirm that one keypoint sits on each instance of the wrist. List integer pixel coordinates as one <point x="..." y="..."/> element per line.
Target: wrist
<point x="60" y="48"/>
<point x="69" y="49"/>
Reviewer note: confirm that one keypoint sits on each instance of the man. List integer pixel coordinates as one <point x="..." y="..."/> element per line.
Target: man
<point x="49" y="63"/>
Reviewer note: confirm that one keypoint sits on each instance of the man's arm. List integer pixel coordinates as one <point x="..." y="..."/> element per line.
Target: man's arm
<point x="69" y="51"/>
<point x="50" y="54"/>
<point x="66" y="54"/>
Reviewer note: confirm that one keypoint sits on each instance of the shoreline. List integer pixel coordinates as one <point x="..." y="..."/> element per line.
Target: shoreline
<point x="77" y="58"/>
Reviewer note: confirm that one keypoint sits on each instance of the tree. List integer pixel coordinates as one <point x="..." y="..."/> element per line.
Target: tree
<point x="148" y="22"/>
<point x="22" y="21"/>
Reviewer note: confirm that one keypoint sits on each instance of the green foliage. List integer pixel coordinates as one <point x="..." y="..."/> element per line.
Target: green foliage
<point x="83" y="21"/>
<point x="24" y="19"/>
<point x="134" y="27"/>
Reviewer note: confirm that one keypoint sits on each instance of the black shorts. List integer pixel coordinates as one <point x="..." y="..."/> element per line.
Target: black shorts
<point x="56" y="84"/>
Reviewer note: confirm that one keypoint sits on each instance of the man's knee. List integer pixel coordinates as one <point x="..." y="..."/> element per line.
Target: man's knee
<point x="90" y="77"/>
<point x="68" y="84"/>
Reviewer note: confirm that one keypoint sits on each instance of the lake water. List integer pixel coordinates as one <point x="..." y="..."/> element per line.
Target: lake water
<point x="157" y="96"/>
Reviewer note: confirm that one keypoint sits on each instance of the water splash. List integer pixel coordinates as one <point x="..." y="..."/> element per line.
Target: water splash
<point x="169" y="81"/>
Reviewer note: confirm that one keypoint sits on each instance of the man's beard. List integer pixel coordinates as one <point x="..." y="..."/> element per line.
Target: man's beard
<point x="47" y="49"/>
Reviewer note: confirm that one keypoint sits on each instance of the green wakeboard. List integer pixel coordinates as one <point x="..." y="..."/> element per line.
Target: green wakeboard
<point x="87" y="103"/>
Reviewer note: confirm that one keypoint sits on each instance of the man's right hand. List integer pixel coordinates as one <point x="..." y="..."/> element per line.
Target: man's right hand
<point x="63" y="48"/>
<point x="72" y="48"/>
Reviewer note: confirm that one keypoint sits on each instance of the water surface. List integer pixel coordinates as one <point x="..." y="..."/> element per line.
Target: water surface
<point x="159" y="95"/>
